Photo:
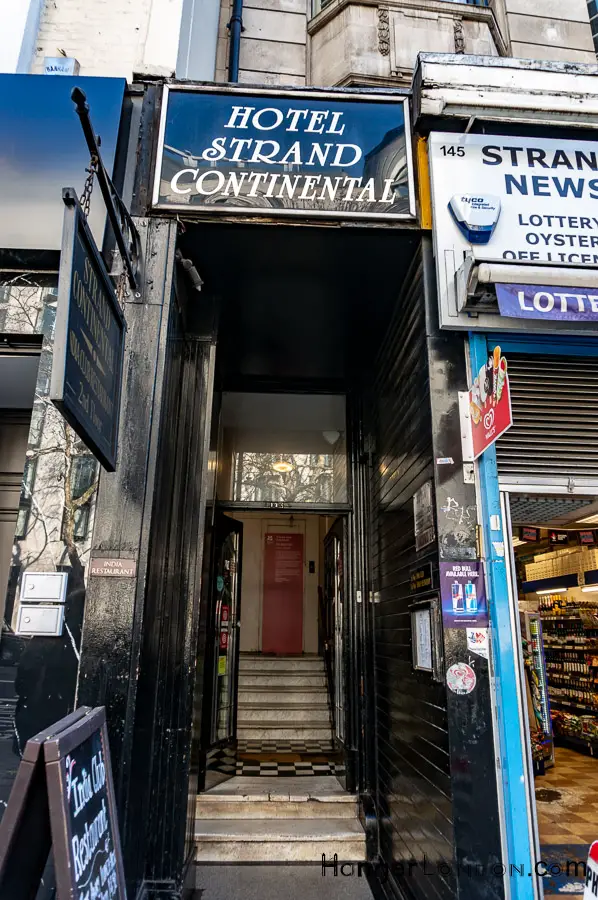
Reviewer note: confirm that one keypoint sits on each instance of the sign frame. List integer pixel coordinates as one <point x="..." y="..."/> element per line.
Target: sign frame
<point x="37" y="805"/>
<point x="56" y="748"/>
<point x="346" y="95"/>
<point x="451" y="245"/>
<point x="432" y="606"/>
<point x="75" y="225"/>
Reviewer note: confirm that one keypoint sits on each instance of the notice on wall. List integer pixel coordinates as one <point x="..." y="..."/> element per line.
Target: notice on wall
<point x="423" y="514"/>
<point x="255" y="152"/>
<point x="421" y="625"/>
<point x="463" y="593"/>
<point x="282" y="624"/>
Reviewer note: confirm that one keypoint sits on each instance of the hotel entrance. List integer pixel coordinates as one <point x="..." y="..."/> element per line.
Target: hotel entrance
<point x="295" y="331"/>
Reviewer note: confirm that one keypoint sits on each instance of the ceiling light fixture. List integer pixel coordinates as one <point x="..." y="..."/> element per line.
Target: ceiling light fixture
<point x="555" y="590"/>
<point x="282" y="466"/>
<point x="590" y="589"/>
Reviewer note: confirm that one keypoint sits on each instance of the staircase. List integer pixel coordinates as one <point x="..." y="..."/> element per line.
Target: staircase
<point x="283" y="698"/>
<point x="278" y="820"/>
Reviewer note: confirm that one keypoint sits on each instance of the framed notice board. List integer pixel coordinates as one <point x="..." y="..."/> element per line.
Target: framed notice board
<point x="63" y="800"/>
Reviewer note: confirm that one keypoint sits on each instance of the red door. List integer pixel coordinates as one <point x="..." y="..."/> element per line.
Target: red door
<point x="282" y="614"/>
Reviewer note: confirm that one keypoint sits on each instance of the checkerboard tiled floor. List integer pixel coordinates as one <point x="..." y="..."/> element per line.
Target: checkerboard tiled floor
<point x="270" y="758"/>
<point x="567" y="824"/>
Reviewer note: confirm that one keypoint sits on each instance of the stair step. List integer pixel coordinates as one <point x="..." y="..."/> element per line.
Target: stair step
<point x="276" y="663"/>
<point x="285" y="732"/>
<point x="307" y="695"/>
<point x="280" y="679"/>
<point x="261" y="840"/>
<point x="267" y="715"/>
<point x="221" y="807"/>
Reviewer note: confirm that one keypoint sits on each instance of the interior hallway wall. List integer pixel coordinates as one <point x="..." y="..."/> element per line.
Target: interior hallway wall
<point x="255" y="528"/>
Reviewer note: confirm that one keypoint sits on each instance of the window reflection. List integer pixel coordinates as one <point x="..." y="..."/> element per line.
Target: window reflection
<point x="282" y="448"/>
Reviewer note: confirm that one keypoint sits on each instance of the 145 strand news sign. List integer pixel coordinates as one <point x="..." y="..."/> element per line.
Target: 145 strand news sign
<point x="520" y="199"/>
<point x="304" y="154"/>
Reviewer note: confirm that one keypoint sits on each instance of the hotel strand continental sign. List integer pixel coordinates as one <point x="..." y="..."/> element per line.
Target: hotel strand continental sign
<point x="304" y="154"/>
<point x="89" y="340"/>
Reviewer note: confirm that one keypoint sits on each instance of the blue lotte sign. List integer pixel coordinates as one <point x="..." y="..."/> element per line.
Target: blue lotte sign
<point x="295" y="153"/>
<point x="89" y="340"/>
<point x="535" y="301"/>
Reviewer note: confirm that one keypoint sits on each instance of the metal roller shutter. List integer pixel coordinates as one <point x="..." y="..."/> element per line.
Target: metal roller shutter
<point x="554" y="437"/>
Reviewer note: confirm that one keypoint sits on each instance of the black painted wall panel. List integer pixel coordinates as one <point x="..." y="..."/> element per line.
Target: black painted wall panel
<point x="414" y="786"/>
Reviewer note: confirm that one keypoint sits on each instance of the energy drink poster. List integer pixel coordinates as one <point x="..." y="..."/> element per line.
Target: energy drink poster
<point x="463" y="593"/>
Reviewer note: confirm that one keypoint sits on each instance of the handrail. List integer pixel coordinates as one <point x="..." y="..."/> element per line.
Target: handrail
<point x="327" y="652"/>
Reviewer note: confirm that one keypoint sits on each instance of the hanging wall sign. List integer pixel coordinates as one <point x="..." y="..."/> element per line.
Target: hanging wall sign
<point x="89" y="340"/>
<point x="529" y="534"/>
<point x="310" y="154"/>
<point x="490" y="403"/>
<point x="531" y="301"/>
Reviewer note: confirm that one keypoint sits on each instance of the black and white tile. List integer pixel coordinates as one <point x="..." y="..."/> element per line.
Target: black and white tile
<point x="255" y="758"/>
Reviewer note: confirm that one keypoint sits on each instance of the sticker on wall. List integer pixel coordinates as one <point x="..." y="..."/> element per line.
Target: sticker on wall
<point x="461" y="678"/>
<point x="220" y="583"/>
<point x="222" y="665"/>
<point x="477" y="641"/>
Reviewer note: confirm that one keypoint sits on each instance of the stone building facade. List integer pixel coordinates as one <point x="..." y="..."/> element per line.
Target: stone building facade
<point x="290" y="42"/>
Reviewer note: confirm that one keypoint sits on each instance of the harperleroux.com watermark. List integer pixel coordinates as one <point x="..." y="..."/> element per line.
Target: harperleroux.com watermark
<point x="572" y="868"/>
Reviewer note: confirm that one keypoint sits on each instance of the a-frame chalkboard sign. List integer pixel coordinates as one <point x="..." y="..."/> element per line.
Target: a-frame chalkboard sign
<point x="63" y="799"/>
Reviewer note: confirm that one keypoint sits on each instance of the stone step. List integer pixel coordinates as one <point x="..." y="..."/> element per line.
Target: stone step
<point x="307" y="731"/>
<point x="273" y="713"/>
<point x="282" y="678"/>
<point x="292" y="694"/>
<point x="261" y="840"/>
<point x="276" y="663"/>
<point x="215" y="806"/>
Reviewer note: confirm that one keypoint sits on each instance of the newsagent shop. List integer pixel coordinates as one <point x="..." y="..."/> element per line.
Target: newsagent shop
<point x="344" y="531"/>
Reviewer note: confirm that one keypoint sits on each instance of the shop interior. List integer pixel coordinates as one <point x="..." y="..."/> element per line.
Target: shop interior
<point x="555" y="545"/>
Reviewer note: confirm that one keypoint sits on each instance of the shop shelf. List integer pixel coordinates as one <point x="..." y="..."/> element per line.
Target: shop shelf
<point x="571" y="704"/>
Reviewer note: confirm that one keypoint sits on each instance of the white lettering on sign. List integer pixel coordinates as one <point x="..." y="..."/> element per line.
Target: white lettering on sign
<point x="259" y="154"/>
<point x="123" y="568"/>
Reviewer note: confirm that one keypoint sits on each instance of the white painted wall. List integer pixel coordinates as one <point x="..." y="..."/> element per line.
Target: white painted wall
<point x="19" y="24"/>
<point x="112" y="39"/>
<point x="255" y="527"/>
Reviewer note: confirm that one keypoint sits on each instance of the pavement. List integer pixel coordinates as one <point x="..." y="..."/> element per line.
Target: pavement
<point x="271" y="882"/>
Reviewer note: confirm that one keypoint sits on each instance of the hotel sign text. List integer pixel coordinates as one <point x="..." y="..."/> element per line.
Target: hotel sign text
<point x="303" y="154"/>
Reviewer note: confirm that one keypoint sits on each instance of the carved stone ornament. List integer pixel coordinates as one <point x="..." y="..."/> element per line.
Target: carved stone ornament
<point x="383" y="31"/>
<point x="459" y="36"/>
